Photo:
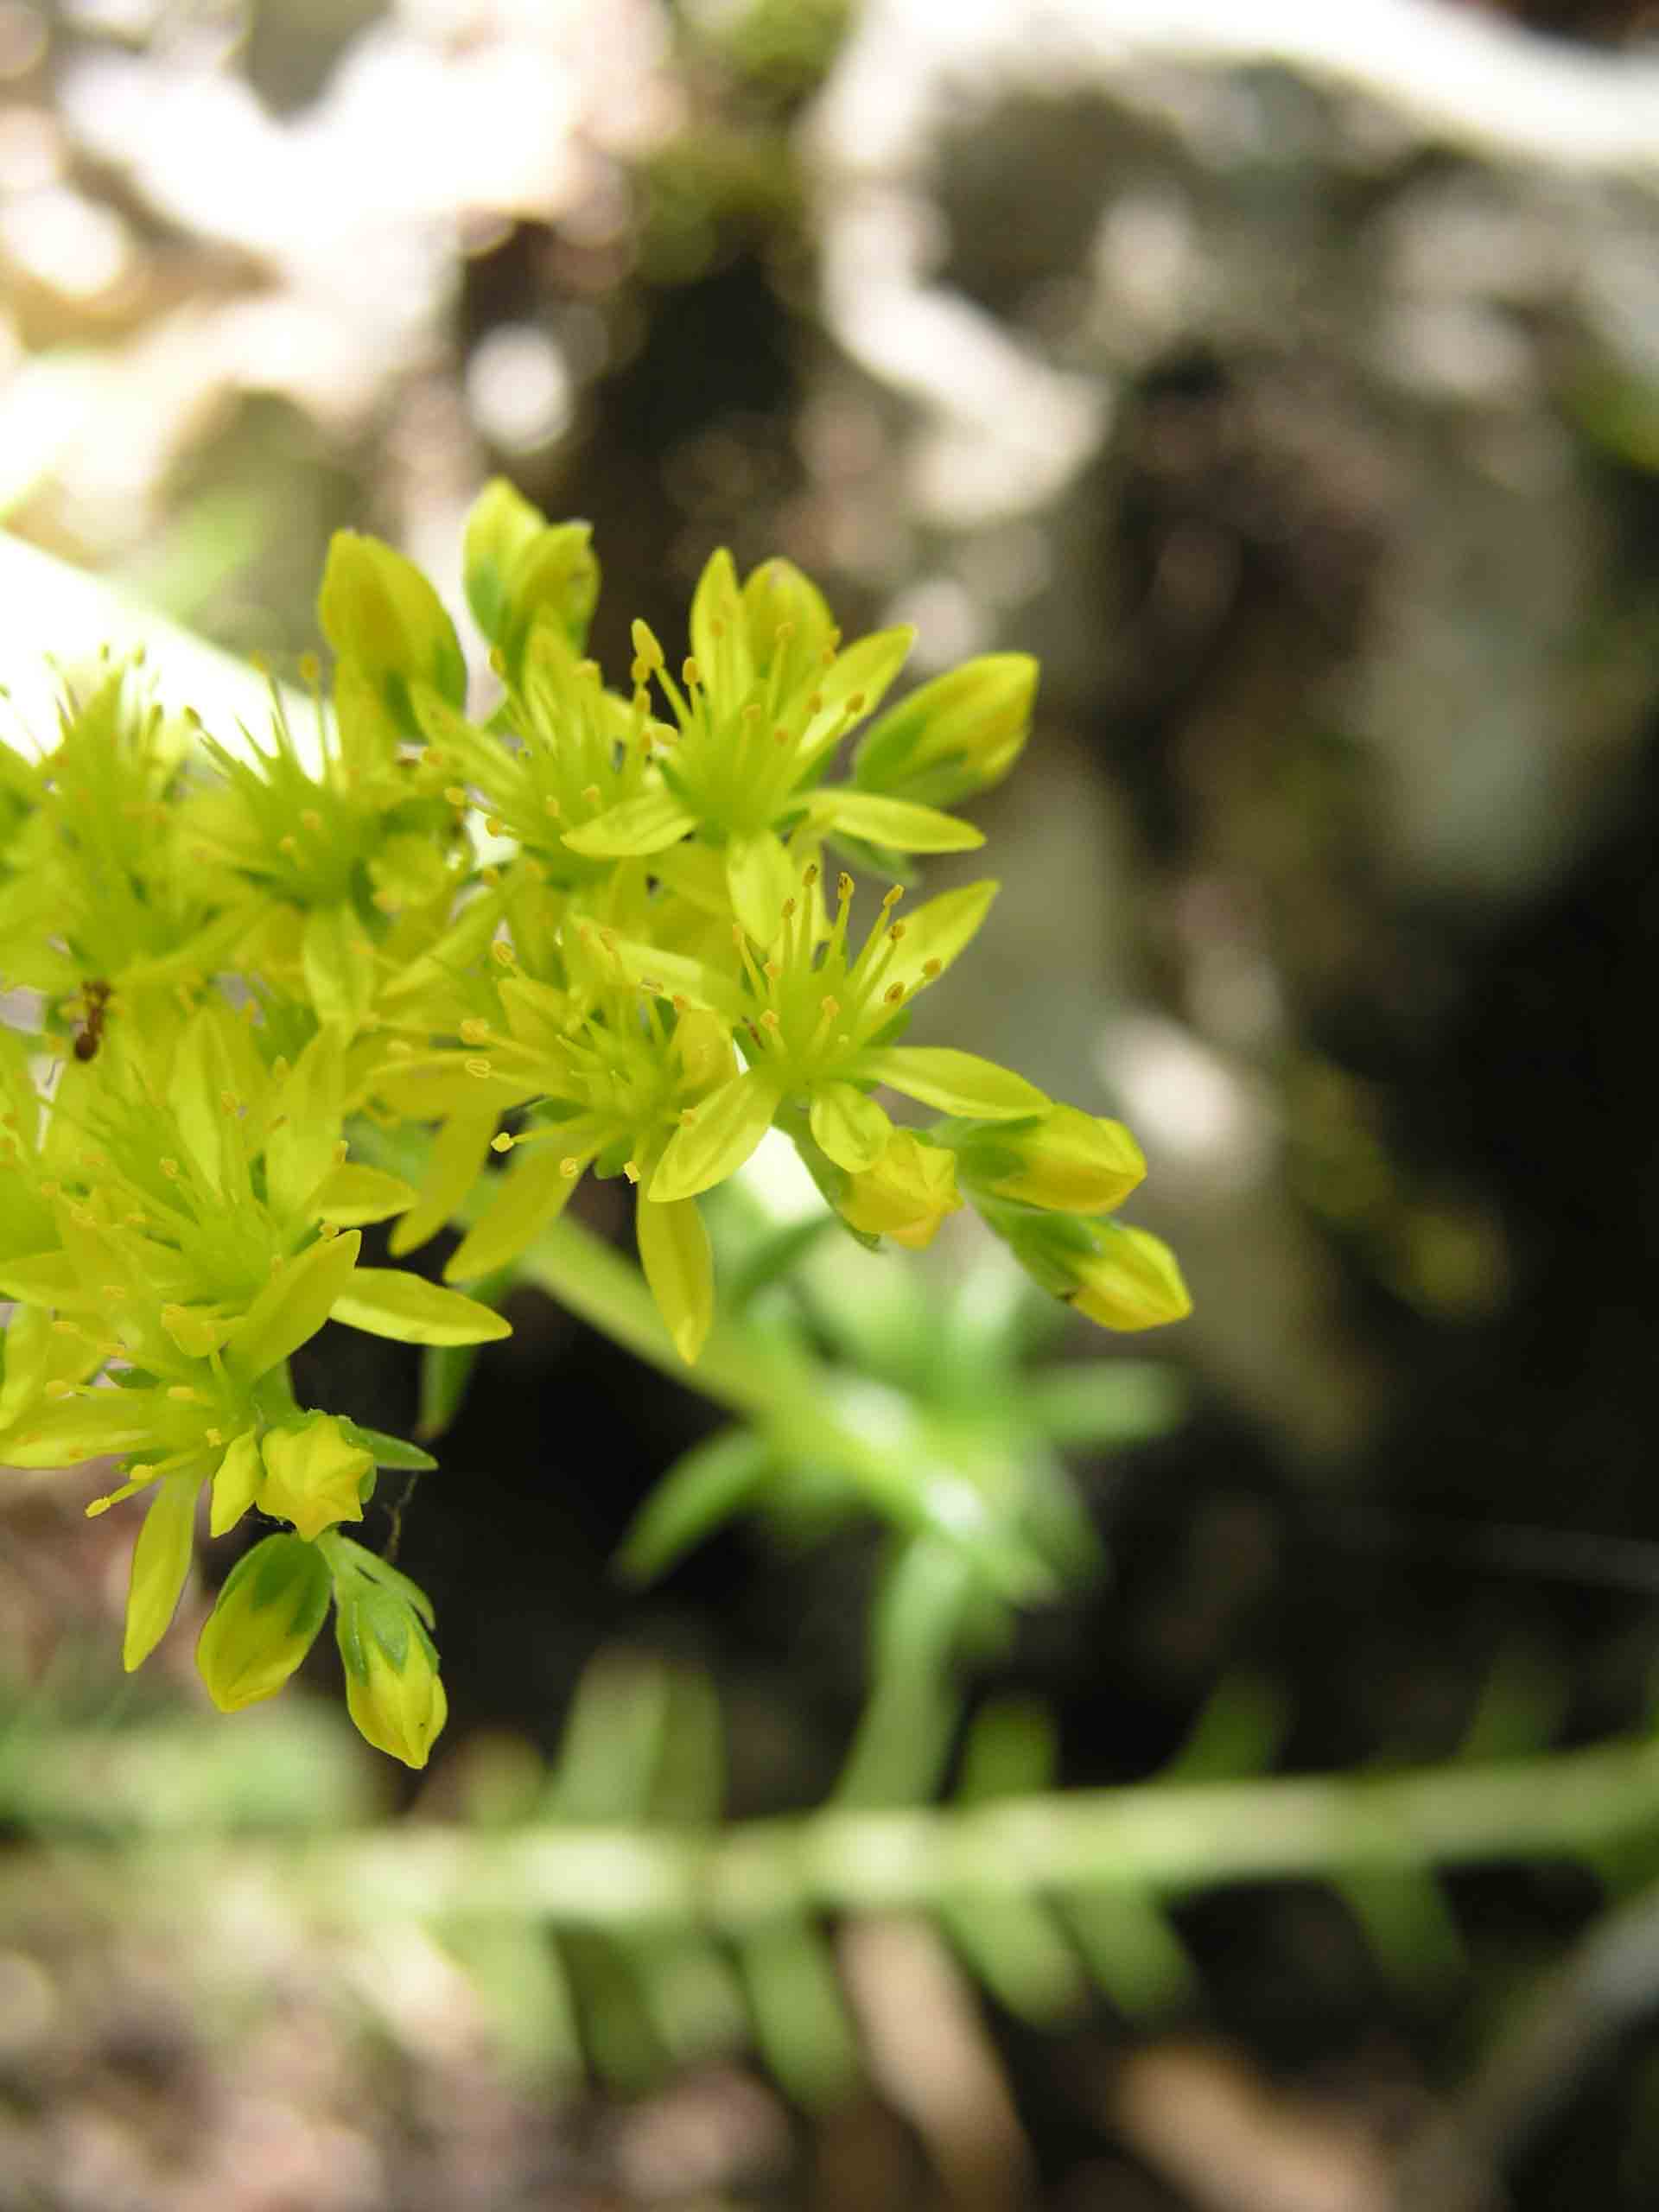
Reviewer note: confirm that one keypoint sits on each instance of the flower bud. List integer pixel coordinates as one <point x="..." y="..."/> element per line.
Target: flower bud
<point x="1122" y="1278"/>
<point x="905" y="1195"/>
<point x="1067" y="1161"/>
<point x="392" y="1688"/>
<point x="519" y="569"/>
<point x="275" y="1599"/>
<point x="956" y="736"/>
<point x="380" y="613"/>
<point x="1132" y="1282"/>
<point x="312" y="1476"/>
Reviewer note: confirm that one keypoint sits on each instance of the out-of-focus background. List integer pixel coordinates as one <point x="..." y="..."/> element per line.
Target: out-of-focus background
<point x="1287" y="377"/>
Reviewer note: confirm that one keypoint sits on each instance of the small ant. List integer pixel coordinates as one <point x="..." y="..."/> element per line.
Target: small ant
<point x="95" y="998"/>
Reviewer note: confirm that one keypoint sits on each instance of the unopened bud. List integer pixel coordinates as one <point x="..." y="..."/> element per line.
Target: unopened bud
<point x="274" y="1601"/>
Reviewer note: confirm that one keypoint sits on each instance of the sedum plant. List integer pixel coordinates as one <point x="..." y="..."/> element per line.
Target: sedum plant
<point x="282" y="992"/>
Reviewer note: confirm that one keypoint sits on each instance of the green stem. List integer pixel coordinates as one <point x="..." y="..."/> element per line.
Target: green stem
<point x="1155" y="1838"/>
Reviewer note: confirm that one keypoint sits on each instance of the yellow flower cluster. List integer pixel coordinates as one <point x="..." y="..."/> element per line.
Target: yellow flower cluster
<point x="246" y="961"/>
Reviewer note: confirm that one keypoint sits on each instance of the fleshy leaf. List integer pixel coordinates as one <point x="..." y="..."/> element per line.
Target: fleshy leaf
<point x="698" y="1493"/>
<point x="386" y="1302"/>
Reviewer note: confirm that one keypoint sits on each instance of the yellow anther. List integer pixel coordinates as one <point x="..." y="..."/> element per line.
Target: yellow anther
<point x="474" y="1032"/>
<point x="932" y="969"/>
<point x="896" y="933"/>
<point x="289" y="845"/>
<point x="690" y="674"/>
<point x="502" y="953"/>
<point x="855" y="704"/>
<point x="680" y="1003"/>
<point x="829" y="1007"/>
<point x="491" y="875"/>
<point x="185" y="1395"/>
<point x="327" y="1231"/>
<point x="890" y="900"/>
<point x="312" y="820"/>
<point x="781" y="735"/>
<point x="480" y="1068"/>
<point x="593" y="794"/>
<point x="769" y="1018"/>
<point x="170" y="1169"/>
<point x="570" y="1165"/>
<point x="771" y="970"/>
<point x="551" y="809"/>
<point x="229" y="1103"/>
<point x="843" y="885"/>
<point x="501" y="1143"/>
<point x="811" y="876"/>
<point x="645" y="646"/>
<point x="630" y="1169"/>
<point x="455" y="795"/>
<point x="894" y="994"/>
<point x="214" y="1436"/>
<point x="492" y="824"/>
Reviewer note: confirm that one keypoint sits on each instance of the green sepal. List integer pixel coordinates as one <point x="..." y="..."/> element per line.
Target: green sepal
<point x="388" y="1451"/>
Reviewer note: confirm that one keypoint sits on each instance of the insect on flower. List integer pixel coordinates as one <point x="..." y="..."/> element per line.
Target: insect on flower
<point x="95" y="1003"/>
